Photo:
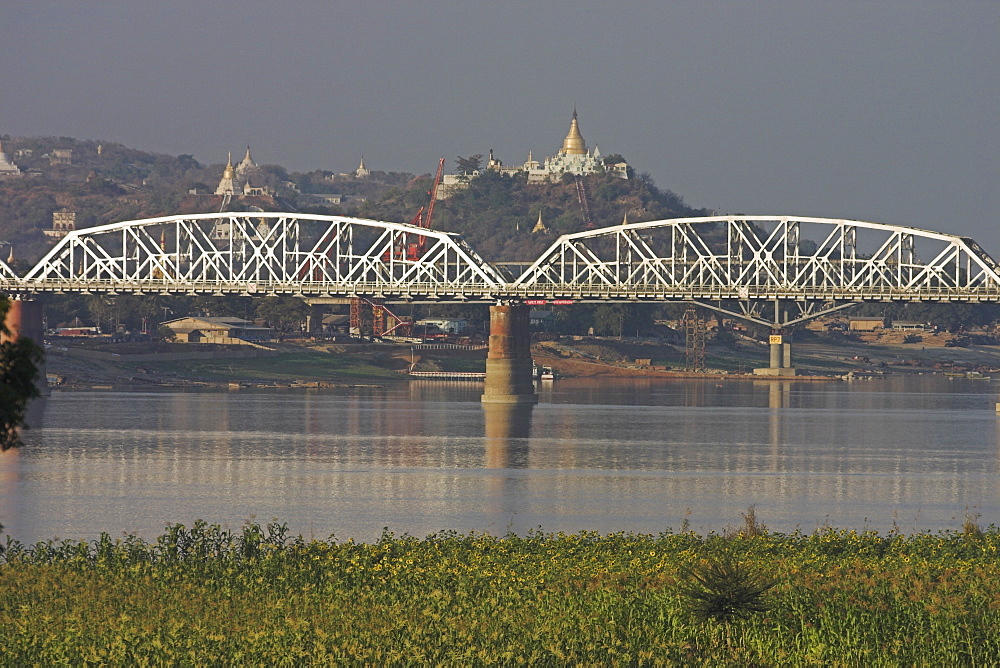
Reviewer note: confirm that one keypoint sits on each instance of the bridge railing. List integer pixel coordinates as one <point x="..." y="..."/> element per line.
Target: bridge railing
<point x="597" y="292"/>
<point x="402" y="291"/>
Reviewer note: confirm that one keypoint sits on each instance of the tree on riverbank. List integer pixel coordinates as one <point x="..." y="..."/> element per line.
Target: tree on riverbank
<point x="19" y="362"/>
<point x="283" y="314"/>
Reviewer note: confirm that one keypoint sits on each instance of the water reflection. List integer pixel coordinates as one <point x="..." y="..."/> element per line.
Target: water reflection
<point x="608" y="456"/>
<point x="777" y="400"/>
<point x="507" y="428"/>
<point x="10" y="466"/>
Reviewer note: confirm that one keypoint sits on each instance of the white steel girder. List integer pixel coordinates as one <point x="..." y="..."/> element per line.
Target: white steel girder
<point x="7" y="275"/>
<point x="261" y="252"/>
<point x="763" y="257"/>
<point x="715" y="259"/>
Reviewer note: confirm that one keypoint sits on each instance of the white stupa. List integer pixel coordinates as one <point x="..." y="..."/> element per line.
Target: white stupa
<point x="7" y="168"/>
<point x="246" y="164"/>
<point x="362" y="172"/>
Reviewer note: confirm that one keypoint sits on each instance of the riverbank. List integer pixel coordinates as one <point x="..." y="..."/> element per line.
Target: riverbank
<point x="209" y="595"/>
<point x="316" y="364"/>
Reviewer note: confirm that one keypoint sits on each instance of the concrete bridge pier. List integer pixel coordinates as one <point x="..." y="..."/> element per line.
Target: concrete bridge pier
<point x="780" y="363"/>
<point x="508" y="362"/>
<point x="24" y="320"/>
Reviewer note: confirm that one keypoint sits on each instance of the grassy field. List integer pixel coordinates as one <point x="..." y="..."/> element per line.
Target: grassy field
<point x="203" y="595"/>
<point x="285" y="367"/>
<point x="318" y="364"/>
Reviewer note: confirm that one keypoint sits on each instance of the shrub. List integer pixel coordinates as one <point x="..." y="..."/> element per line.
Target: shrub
<point x="726" y="590"/>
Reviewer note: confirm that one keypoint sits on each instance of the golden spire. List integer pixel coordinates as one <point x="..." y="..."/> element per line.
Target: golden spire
<point x="10" y="258"/>
<point x="539" y="226"/>
<point x="574" y="144"/>
<point x="228" y="172"/>
<point x="625" y="220"/>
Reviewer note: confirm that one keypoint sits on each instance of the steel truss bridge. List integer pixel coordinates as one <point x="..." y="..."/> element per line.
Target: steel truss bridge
<point x="774" y="270"/>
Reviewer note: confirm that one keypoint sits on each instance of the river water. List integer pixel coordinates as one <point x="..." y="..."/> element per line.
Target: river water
<point x="913" y="452"/>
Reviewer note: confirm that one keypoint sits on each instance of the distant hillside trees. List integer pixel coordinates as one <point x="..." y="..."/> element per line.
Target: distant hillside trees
<point x="468" y="165"/>
<point x="496" y="213"/>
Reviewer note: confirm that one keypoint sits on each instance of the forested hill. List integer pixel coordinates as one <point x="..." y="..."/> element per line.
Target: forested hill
<point x="498" y="214"/>
<point x="107" y="182"/>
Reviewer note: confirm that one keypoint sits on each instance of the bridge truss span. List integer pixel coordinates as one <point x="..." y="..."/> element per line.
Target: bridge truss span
<point x="266" y="253"/>
<point x="764" y="258"/>
<point x="775" y="270"/>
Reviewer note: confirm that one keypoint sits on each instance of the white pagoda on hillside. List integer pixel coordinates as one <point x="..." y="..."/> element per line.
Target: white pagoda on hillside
<point x="7" y="168"/>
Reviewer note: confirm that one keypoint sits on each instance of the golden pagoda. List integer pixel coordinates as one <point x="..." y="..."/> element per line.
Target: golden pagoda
<point x="574" y="144"/>
<point x="227" y="184"/>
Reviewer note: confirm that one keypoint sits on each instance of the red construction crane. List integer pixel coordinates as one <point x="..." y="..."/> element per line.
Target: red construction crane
<point x="412" y="251"/>
<point x="416" y="250"/>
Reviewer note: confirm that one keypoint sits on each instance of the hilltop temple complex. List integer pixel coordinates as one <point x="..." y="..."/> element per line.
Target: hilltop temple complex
<point x="572" y="158"/>
<point x="236" y="180"/>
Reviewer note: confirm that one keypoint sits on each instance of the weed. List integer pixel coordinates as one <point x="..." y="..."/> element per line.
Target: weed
<point x="970" y="526"/>
<point x="726" y="590"/>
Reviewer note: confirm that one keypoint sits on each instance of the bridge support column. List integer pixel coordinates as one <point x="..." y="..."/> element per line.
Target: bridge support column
<point x="508" y="362"/>
<point x="314" y="319"/>
<point x="775" y="353"/>
<point x="24" y="320"/>
<point x="781" y="357"/>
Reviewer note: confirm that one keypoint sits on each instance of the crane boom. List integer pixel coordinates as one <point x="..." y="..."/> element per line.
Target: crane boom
<point x="433" y="193"/>
<point x="417" y="250"/>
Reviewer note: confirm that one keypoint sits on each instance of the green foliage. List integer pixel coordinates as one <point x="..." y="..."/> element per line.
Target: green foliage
<point x="207" y="595"/>
<point x="468" y="165"/>
<point x="609" y="319"/>
<point x="227" y="305"/>
<point x="620" y="320"/>
<point x="19" y="364"/>
<point x="726" y="590"/>
<point x="496" y="213"/>
<point x="284" y="314"/>
<point x="165" y="333"/>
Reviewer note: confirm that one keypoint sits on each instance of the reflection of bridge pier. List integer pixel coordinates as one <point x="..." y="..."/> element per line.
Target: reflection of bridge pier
<point x="24" y="319"/>
<point x="507" y="426"/>
<point x="777" y="401"/>
<point x="508" y="363"/>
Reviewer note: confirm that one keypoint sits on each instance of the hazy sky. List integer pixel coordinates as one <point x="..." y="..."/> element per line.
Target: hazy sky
<point x="880" y="111"/>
